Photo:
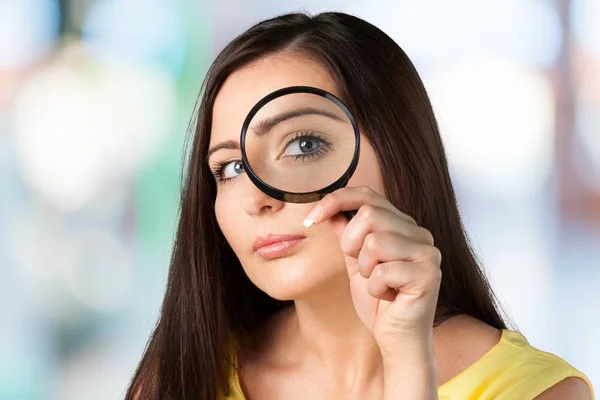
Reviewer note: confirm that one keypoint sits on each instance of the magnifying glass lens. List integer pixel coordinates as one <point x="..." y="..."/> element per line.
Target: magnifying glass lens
<point x="300" y="143"/>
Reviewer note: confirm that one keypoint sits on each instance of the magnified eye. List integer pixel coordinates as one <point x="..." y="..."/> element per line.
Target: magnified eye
<point x="304" y="144"/>
<point x="298" y="143"/>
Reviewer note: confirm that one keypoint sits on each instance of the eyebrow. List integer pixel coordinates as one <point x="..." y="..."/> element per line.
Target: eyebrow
<point x="264" y="126"/>
<point x="228" y="144"/>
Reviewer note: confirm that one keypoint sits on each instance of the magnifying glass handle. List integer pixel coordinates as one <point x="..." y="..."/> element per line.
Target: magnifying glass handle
<point x="349" y="214"/>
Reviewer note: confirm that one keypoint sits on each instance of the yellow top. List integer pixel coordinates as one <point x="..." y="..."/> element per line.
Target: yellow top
<point x="512" y="369"/>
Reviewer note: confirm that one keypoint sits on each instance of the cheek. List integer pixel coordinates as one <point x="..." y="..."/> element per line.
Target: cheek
<point x="367" y="171"/>
<point x="227" y="215"/>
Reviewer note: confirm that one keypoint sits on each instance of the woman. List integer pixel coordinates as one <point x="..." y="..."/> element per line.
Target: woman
<point x="390" y="305"/>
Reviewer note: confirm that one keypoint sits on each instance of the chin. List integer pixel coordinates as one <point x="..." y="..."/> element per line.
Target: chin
<point x="294" y="278"/>
<point x="293" y="292"/>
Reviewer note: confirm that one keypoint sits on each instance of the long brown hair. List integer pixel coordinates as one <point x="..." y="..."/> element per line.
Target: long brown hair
<point x="210" y="305"/>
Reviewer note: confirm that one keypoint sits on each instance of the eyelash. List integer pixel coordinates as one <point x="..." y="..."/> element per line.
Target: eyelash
<point x="217" y="171"/>
<point x="218" y="167"/>
<point x="311" y="135"/>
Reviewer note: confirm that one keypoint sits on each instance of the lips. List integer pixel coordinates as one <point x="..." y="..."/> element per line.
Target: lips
<point x="272" y="239"/>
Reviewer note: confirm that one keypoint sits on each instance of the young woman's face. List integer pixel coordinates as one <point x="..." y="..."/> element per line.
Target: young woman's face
<point x="244" y="213"/>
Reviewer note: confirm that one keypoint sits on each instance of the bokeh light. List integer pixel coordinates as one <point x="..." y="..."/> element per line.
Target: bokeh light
<point x="28" y="29"/>
<point x="101" y="277"/>
<point x="91" y="125"/>
<point x="429" y="34"/>
<point x="587" y="151"/>
<point x="141" y="31"/>
<point x="585" y="18"/>
<point x="496" y="119"/>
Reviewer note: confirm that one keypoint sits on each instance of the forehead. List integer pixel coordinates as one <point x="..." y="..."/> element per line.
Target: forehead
<point x="245" y="87"/>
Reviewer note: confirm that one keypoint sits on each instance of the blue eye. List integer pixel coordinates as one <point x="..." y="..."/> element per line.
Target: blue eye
<point x="303" y="145"/>
<point x="227" y="170"/>
<point x="306" y="144"/>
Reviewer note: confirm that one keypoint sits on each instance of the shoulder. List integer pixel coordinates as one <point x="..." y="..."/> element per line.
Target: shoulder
<point x="571" y="388"/>
<point x="460" y="342"/>
<point x="474" y="357"/>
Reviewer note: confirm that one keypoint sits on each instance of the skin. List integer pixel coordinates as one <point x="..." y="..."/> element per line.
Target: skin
<point x="372" y="338"/>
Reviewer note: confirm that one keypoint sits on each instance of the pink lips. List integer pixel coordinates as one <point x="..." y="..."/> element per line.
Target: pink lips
<point x="273" y="246"/>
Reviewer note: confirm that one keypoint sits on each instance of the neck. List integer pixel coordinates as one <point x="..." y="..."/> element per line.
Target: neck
<point x="327" y="334"/>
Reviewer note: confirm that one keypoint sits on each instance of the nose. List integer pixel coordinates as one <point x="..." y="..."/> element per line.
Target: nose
<point x="255" y="202"/>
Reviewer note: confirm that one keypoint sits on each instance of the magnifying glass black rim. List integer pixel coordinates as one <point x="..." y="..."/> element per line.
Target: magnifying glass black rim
<point x="299" y="197"/>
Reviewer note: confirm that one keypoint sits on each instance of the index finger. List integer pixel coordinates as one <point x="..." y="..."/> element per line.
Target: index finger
<point x="350" y="198"/>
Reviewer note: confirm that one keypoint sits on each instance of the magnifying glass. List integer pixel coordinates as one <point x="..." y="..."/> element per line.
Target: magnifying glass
<point x="300" y="143"/>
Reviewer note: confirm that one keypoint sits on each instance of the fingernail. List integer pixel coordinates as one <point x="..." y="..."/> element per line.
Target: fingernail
<point x="312" y="216"/>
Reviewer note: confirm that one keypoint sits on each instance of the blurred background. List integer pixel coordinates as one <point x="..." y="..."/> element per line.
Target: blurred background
<point x="95" y="98"/>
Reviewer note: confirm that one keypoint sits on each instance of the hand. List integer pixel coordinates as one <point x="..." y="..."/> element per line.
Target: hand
<point x="393" y="265"/>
